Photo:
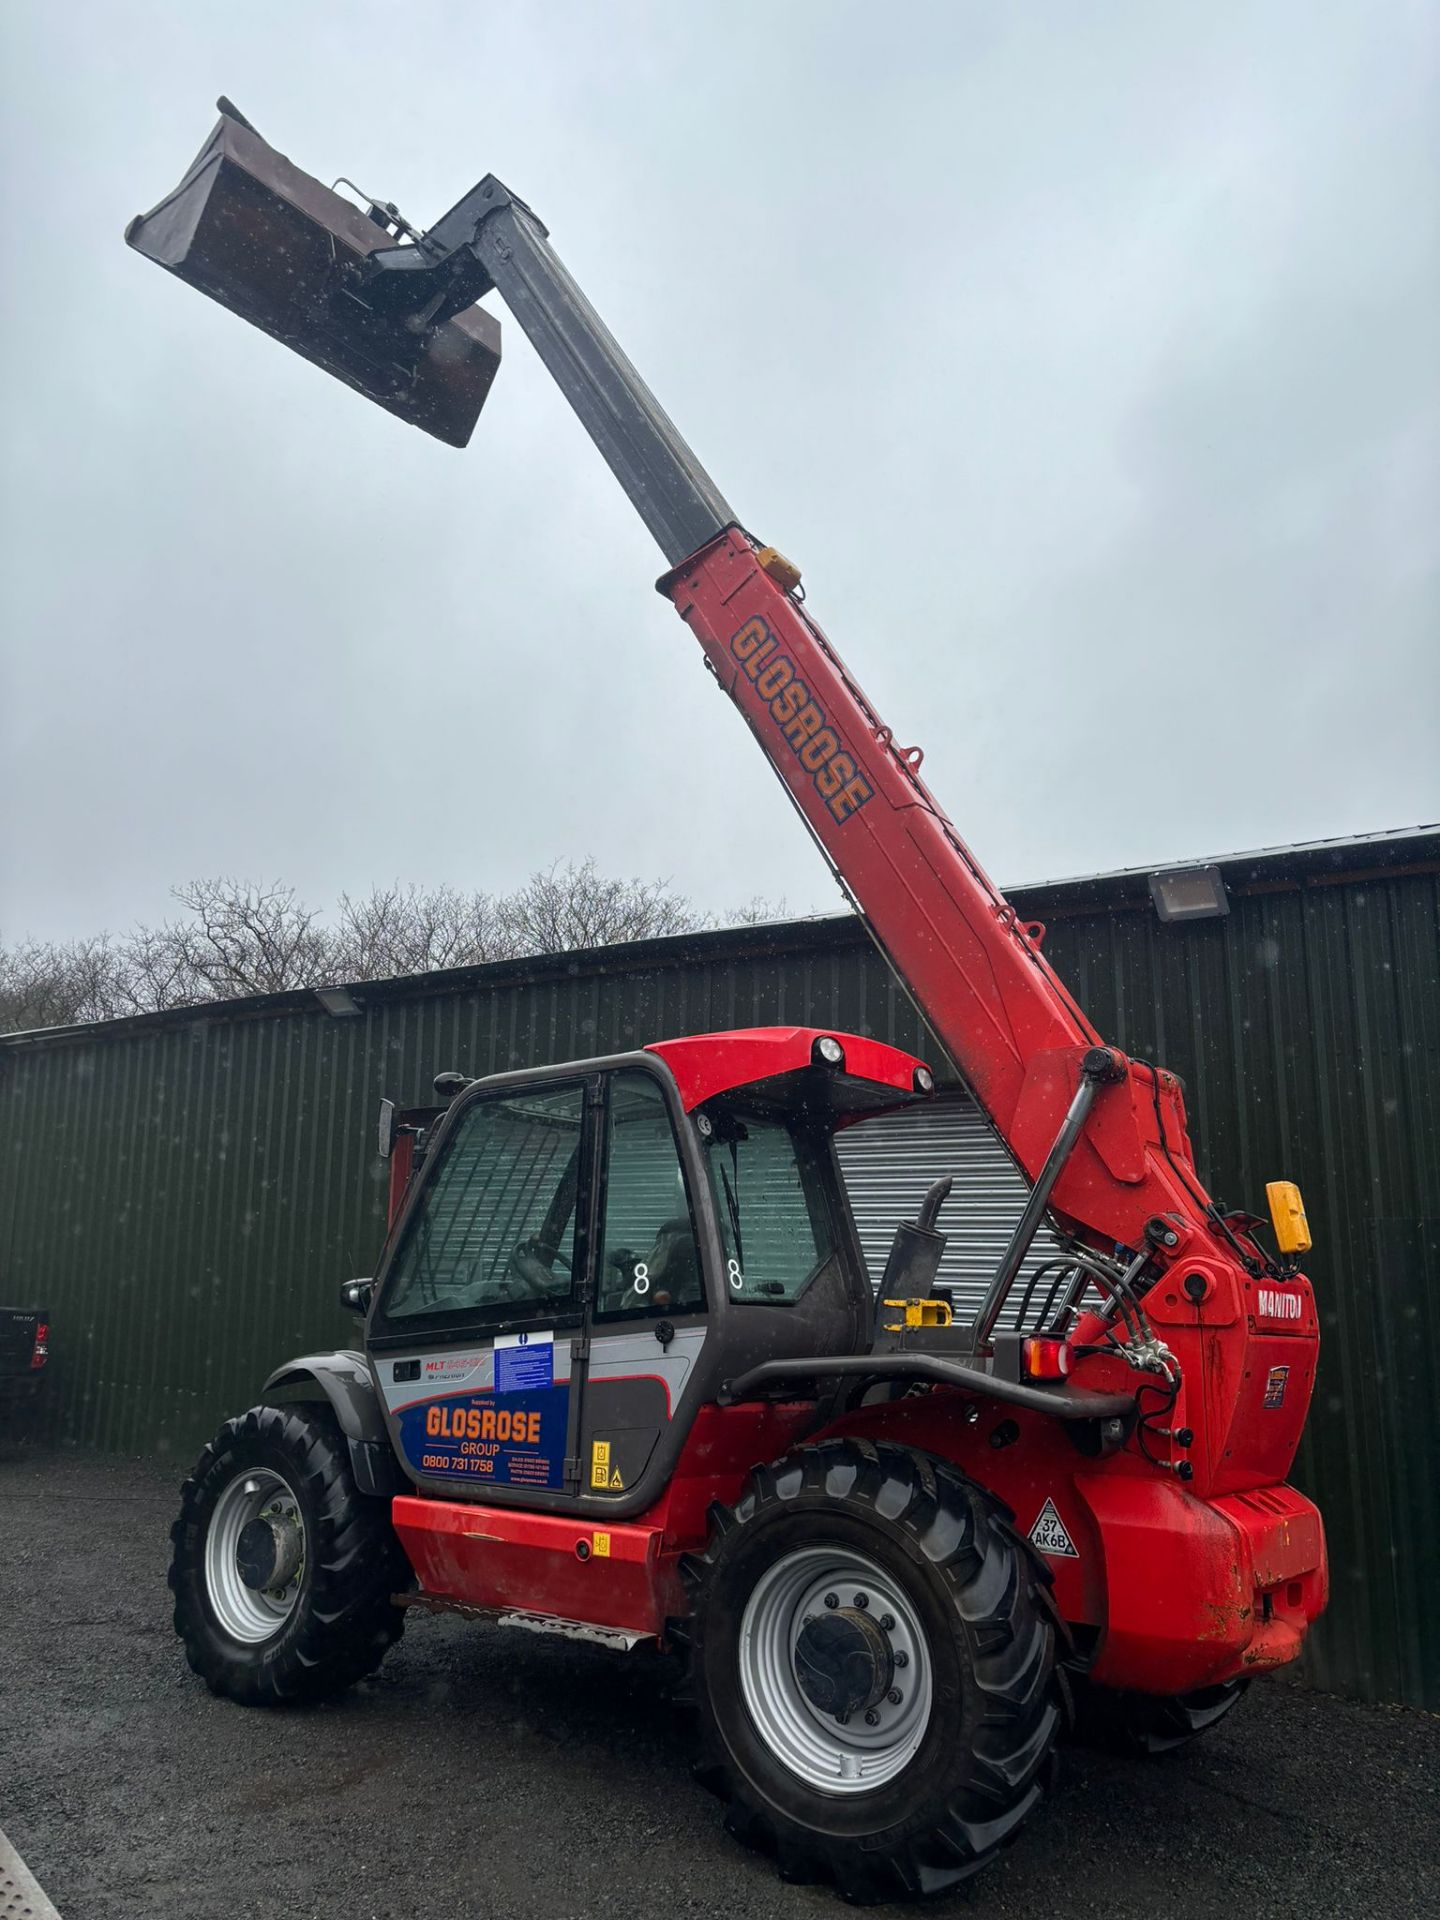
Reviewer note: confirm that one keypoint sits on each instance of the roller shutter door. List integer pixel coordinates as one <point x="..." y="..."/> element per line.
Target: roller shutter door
<point x="888" y="1163"/>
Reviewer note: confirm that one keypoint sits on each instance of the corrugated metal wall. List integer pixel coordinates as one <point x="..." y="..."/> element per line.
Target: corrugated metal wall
<point x="889" y="1162"/>
<point x="186" y="1195"/>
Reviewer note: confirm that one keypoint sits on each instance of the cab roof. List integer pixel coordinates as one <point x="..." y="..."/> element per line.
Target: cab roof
<point x="872" y="1075"/>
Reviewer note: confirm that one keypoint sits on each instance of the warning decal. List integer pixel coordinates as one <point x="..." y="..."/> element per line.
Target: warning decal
<point x="524" y="1362"/>
<point x="1049" y="1535"/>
<point x="1275" y="1383"/>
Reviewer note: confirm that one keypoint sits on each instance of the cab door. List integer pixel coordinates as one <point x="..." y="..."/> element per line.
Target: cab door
<point x="479" y="1313"/>
<point x="648" y="1321"/>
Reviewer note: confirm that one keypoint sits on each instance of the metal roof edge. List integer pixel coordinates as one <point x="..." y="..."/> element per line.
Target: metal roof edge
<point x="1343" y="856"/>
<point x="1263" y="868"/>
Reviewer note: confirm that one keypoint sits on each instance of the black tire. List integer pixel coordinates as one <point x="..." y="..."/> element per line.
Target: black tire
<point x="1152" y="1724"/>
<point x="342" y="1621"/>
<point x="981" y="1597"/>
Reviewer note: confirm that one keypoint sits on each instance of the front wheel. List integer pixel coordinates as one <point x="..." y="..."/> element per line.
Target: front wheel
<point x="874" y="1654"/>
<point x="282" y="1571"/>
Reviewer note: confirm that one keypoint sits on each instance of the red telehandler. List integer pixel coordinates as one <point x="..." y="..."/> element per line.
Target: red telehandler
<point x="623" y="1375"/>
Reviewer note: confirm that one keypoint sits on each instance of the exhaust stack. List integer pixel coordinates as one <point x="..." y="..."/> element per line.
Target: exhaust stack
<point x="289" y="255"/>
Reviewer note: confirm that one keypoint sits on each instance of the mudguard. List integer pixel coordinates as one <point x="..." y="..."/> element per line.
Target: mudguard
<point x="343" y="1379"/>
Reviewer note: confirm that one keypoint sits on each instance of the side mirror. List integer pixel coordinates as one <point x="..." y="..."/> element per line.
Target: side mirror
<point x="387" y="1128"/>
<point x="356" y="1295"/>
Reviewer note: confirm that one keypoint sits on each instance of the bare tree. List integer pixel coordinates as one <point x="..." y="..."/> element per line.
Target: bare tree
<point x="243" y="938"/>
<point x="238" y="937"/>
<point x="49" y="984"/>
<point x="565" y="907"/>
<point x="754" y="912"/>
<point x="398" y="930"/>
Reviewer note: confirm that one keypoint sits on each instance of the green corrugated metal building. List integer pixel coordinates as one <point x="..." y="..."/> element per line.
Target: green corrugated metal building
<point x="185" y="1190"/>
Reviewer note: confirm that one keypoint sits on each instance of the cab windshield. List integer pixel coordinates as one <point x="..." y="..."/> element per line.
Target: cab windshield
<point x="771" y="1199"/>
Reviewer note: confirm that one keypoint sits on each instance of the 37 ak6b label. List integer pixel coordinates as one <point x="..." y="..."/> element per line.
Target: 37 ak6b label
<point x="801" y="719"/>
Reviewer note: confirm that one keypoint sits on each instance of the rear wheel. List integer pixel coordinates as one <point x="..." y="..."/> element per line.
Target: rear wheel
<point x="1152" y="1724"/>
<point x="282" y="1571"/>
<point x="874" y="1654"/>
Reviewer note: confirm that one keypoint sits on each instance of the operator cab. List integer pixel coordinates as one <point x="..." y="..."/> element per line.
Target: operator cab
<point x="581" y="1256"/>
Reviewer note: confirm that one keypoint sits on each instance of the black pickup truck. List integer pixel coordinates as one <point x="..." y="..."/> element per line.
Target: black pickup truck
<point x="24" y="1351"/>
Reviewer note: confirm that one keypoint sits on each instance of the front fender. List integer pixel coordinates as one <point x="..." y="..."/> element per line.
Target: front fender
<point x="343" y="1380"/>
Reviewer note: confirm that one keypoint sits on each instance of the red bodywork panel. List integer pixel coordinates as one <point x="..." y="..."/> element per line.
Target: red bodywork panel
<point x="505" y="1557"/>
<point x="705" y="1064"/>
<point x="1181" y="1592"/>
<point x="402" y="1159"/>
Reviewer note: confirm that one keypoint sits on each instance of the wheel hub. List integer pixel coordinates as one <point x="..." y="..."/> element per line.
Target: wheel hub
<point x="843" y="1662"/>
<point x="269" y="1551"/>
<point x="835" y="1668"/>
<point x="254" y="1556"/>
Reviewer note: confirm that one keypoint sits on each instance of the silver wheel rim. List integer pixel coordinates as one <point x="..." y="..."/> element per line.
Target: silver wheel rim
<point x="246" y="1613"/>
<point x="853" y="1757"/>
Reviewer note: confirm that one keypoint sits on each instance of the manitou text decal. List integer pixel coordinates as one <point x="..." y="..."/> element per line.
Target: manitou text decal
<point x="1281" y="1306"/>
<point x="807" y="732"/>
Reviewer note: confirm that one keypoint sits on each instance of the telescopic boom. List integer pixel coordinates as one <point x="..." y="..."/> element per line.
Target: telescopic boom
<point x="392" y="311"/>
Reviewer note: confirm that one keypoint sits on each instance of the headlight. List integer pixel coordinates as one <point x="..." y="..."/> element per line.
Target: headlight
<point x="924" y="1080"/>
<point x="830" y="1051"/>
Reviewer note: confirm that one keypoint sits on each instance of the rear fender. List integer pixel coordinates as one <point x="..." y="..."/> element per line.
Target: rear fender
<point x="343" y="1380"/>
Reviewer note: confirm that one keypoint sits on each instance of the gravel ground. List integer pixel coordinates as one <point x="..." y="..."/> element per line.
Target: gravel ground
<point x="493" y="1776"/>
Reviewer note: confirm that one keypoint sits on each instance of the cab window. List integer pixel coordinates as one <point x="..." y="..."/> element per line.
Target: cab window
<point x="496" y="1227"/>
<point x="649" y="1257"/>
<point x="770" y="1198"/>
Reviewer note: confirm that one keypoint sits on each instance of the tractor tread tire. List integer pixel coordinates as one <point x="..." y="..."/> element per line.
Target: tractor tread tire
<point x="987" y="1757"/>
<point x="345" y="1620"/>
<point x="1149" y="1724"/>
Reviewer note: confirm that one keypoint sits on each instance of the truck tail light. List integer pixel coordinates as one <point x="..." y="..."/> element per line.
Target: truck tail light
<point x="1046" y="1359"/>
<point x="41" y="1352"/>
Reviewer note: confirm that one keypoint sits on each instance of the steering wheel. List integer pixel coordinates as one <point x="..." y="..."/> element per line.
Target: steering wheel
<point x="527" y="1265"/>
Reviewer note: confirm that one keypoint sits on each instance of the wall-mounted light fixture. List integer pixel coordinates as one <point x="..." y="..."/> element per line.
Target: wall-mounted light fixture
<point x="338" y="1001"/>
<point x="1189" y="893"/>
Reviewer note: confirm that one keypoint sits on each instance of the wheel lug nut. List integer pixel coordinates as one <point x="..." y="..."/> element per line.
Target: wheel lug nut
<point x="894" y="1696"/>
<point x="832" y="1600"/>
<point x="862" y="1600"/>
<point x="872" y="1719"/>
<point x="887" y="1623"/>
<point x="901" y="1658"/>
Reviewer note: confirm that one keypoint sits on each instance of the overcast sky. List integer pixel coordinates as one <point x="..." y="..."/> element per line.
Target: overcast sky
<point x="1086" y="357"/>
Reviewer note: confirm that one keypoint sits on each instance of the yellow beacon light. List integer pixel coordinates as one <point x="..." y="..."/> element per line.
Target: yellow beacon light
<point x="1287" y="1214"/>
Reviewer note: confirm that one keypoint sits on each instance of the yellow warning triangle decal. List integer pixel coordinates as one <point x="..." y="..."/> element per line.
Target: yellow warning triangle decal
<point x="616" y="1481"/>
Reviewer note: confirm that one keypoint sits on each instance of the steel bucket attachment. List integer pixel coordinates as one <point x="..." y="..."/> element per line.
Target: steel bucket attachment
<point x="287" y="254"/>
